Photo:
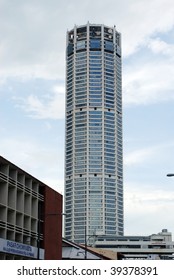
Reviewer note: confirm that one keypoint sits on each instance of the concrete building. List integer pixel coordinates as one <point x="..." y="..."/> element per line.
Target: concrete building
<point x="155" y="246"/>
<point x="30" y="216"/>
<point x="93" y="156"/>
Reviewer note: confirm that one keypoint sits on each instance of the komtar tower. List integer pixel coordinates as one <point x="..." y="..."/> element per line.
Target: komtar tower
<point x="94" y="150"/>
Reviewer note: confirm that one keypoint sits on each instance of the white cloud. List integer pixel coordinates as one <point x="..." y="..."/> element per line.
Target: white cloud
<point x="30" y="40"/>
<point x="33" y="33"/>
<point x="45" y="107"/>
<point x="149" y="83"/>
<point x="158" y="152"/>
<point x="141" y="20"/>
<point x="42" y="161"/>
<point x="148" y="208"/>
<point x="159" y="46"/>
<point x="139" y="156"/>
<point x="149" y="195"/>
<point x="33" y="40"/>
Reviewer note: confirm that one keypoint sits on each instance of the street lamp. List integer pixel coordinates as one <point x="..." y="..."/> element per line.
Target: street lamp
<point x="170" y="175"/>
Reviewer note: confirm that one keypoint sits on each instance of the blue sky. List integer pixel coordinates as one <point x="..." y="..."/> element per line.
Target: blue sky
<point x="32" y="94"/>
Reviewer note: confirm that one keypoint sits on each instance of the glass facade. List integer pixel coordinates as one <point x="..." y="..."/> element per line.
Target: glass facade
<point x="93" y="157"/>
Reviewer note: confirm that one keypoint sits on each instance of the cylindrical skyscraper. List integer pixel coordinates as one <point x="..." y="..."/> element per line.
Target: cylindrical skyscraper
<point x="93" y="154"/>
